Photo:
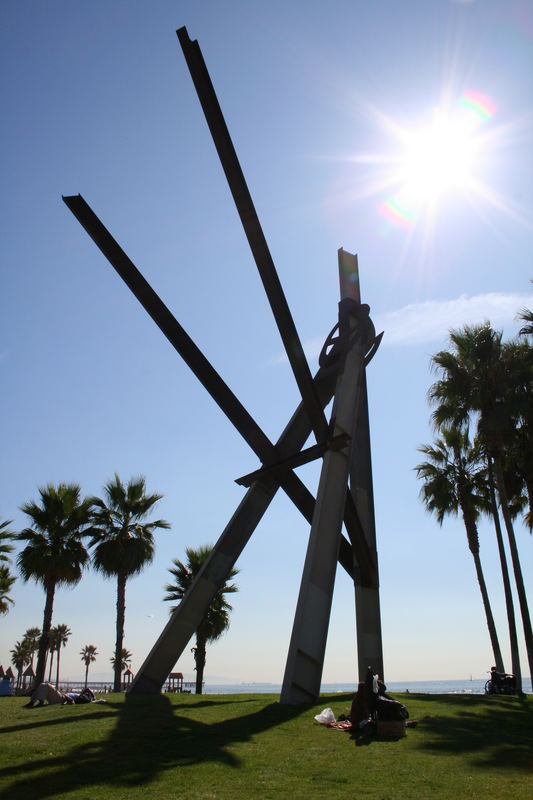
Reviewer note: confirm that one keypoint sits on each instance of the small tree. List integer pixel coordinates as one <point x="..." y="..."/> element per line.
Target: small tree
<point x="216" y="619"/>
<point x="32" y="637"/>
<point x="88" y="654"/>
<point x="122" y="665"/>
<point x="62" y="635"/>
<point x="52" y="648"/>
<point x="20" y="658"/>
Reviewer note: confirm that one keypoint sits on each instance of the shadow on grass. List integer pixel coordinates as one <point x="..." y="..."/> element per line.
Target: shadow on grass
<point x="48" y="723"/>
<point x="497" y="732"/>
<point x="150" y="737"/>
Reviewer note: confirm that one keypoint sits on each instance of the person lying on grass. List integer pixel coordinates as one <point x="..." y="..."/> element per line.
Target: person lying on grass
<point x="45" y="691"/>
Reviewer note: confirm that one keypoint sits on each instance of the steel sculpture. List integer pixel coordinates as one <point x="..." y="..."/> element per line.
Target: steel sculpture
<point x="345" y="487"/>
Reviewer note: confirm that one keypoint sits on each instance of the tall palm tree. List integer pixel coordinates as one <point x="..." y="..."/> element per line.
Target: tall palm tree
<point x="5" y="537"/>
<point x="123" y="542"/>
<point x="482" y="376"/>
<point x="32" y="636"/>
<point x="20" y="658"/>
<point x="63" y="633"/>
<point x="216" y="619"/>
<point x="54" y="554"/>
<point x="6" y="582"/>
<point x="453" y="481"/>
<point x="88" y="655"/>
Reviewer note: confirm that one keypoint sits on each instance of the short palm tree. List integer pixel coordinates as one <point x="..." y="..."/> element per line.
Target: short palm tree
<point x="6" y="582"/>
<point x="88" y="655"/>
<point x="62" y="634"/>
<point x="52" y="647"/>
<point x="5" y="538"/>
<point x="123" y="542"/>
<point x="32" y="637"/>
<point x="216" y="620"/>
<point x="20" y="658"/>
<point x="123" y="663"/>
<point x="453" y="481"/>
<point x="54" y="554"/>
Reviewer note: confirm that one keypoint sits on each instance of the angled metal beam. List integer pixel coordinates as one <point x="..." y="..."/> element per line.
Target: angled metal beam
<point x="296" y="460"/>
<point x="204" y="371"/>
<point x="253" y="230"/>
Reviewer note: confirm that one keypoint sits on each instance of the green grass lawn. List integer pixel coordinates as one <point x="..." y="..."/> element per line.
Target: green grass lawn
<point x="234" y="746"/>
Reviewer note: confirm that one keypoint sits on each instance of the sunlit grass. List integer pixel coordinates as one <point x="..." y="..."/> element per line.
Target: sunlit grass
<point x="250" y="746"/>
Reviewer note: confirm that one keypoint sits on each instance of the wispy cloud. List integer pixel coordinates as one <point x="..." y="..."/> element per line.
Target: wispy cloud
<point x="419" y="323"/>
<point x="431" y="321"/>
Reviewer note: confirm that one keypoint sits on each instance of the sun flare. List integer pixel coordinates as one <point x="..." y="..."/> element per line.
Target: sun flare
<point x="441" y="156"/>
<point x="438" y="158"/>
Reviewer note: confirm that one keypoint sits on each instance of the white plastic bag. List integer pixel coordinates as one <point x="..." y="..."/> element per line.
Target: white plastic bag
<point x="325" y="717"/>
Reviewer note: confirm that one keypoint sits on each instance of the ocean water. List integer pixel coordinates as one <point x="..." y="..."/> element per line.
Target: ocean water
<point x="468" y="686"/>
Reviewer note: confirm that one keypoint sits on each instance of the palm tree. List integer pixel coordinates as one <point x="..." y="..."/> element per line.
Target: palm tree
<point x="526" y="315"/>
<point x="123" y="543"/>
<point x="120" y="665"/>
<point x="62" y="635"/>
<point x="20" y="658"/>
<point x="54" y="555"/>
<point x="482" y="376"/>
<point x="88" y="654"/>
<point x="6" y="582"/>
<point x="52" y="648"/>
<point x="216" y="619"/>
<point x="452" y="481"/>
<point x="5" y="536"/>
<point x="32" y="636"/>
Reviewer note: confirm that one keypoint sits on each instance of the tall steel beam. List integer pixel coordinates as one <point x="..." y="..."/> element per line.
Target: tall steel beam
<point x="253" y="230"/>
<point x="305" y="659"/>
<point x="366" y="584"/>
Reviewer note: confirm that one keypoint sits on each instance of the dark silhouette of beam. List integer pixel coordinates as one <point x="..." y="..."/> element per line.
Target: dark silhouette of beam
<point x="253" y="230"/>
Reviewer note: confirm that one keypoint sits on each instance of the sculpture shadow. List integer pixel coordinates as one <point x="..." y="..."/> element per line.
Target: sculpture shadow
<point x="150" y="737"/>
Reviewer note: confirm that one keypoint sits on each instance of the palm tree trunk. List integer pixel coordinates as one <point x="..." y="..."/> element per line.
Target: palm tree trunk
<point x="57" y="665"/>
<point x="43" y="641"/>
<point x="473" y="544"/>
<point x="526" y="620"/>
<point x="513" y="638"/>
<point x="199" y="658"/>
<point x="86" y="673"/>
<point x="498" y="660"/>
<point x="121" y="614"/>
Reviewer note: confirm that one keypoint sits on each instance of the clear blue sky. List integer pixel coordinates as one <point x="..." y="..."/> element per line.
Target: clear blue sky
<point x="97" y="99"/>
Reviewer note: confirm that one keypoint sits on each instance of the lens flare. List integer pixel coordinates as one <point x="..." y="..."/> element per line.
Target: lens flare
<point x="479" y="103"/>
<point x="400" y="215"/>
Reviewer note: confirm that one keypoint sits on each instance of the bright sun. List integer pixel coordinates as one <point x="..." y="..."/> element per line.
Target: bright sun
<point x="442" y="157"/>
<point x="438" y="158"/>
